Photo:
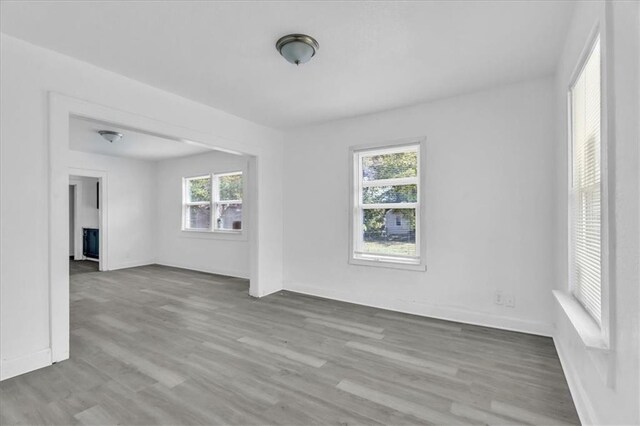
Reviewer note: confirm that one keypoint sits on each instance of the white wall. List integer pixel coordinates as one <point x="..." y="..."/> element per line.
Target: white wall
<point x="27" y="75"/>
<point x="605" y="387"/>
<point x="130" y="204"/>
<point x="88" y="213"/>
<point x="489" y="208"/>
<point x="217" y="253"/>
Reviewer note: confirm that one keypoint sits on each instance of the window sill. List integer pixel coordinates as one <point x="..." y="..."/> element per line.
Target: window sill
<point x="222" y="235"/>
<point x="387" y="264"/>
<point x="586" y="327"/>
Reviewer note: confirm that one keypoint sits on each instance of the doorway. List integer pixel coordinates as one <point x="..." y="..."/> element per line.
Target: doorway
<point x="87" y="227"/>
<point x="264" y="278"/>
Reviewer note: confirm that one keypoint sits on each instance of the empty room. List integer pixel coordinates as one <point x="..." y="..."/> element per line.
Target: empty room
<point x="320" y="212"/>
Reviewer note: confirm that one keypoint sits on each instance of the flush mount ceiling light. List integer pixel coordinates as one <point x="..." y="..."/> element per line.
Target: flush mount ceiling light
<point x="297" y="48"/>
<point x="110" y="135"/>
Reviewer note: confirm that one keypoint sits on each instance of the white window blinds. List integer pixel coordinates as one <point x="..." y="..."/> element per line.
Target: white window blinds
<point x="585" y="198"/>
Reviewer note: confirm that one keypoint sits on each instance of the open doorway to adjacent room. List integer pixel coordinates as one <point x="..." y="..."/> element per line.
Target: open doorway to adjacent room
<point x="84" y="224"/>
<point x="149" y="212"/>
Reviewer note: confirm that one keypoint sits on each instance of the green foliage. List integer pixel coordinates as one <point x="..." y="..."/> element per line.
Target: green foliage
<point x="374" y="220"/>
<point x="388" y="166"/>
<point x="390" y="194"/>
<point x="200" y="189"/>
<point x="231" y="187"/>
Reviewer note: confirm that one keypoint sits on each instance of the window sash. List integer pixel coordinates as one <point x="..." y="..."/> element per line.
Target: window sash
<point x="389" y="182"/>
<point x="359" y="207"/>
<point x="216" y="204"/>
<point x="186" y="218"/>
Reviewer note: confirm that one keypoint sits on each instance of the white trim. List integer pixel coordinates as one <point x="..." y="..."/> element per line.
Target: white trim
<point x="380" y="262"/>
<point x="388" y="147"/>
<point x="579" y="395"/>
<point x="431" y="311"/>
<point x="389" y="182"/>
<point x="220" y="234"/>
<point x="23" y="364"/>
<point x="216" y="271"/>
<point x="132" y="264"/>
<point x="390" y="206"/>
<point x="77" y="226"/>
<point x="585" y="325"/>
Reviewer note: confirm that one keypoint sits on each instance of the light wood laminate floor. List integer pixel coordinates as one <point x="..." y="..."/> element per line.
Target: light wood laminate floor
<point x="159" y="345"/>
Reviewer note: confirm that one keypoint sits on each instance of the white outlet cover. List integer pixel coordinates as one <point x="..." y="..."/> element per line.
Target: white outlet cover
<point x="510" y="301"/>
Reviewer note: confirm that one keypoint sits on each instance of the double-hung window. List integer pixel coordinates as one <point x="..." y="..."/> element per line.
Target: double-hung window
<point x="213" y="202"/>
<point x="585" y="198"/>
<point x="386" y="212"/>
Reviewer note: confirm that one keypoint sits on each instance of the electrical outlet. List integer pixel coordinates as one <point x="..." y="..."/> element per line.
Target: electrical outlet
<point x="497" y="298"/>
<point x="510" y="301"/>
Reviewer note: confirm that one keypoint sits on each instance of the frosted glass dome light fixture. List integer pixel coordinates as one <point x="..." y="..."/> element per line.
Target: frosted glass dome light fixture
<point x="297" y="48"/>
<point x="110" y="135"/>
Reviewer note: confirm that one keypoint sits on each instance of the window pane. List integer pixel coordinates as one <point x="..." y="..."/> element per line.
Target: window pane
<point x="388" y="166"/>
<point x="231" y="187"/>
<point x="390" y="194"/>
<point x="199" y="217"/>
<point x="199" y="189"/>
<point x="389" y="231"/>
<point x="229" y="216"/>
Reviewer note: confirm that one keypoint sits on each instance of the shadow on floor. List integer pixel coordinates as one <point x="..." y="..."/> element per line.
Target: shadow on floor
<point x="82" y="267"/>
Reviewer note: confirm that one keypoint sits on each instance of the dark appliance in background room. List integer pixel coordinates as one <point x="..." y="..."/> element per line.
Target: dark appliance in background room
<point x="91" y="243"/>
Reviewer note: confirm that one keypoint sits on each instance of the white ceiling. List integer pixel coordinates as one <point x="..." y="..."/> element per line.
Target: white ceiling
<point x="373" y="55"/>
<point x="83" y="136"/>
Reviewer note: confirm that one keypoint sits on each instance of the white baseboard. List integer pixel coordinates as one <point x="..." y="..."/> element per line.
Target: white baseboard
<point x="131" y="264"/>
<point x="217" y="271"/>
<point x="264" y="294"/>
<point x="16" y="366"/>
<point x="580" y="400"/>
<point x="445" y="313"/>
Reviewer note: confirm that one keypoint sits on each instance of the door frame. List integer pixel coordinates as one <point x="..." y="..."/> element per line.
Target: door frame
<point x="77" y="231"/>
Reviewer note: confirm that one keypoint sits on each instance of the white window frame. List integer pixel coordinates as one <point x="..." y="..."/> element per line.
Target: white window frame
<point x="356" y="254"/>
<point x="594" y="335"/>
<point x="214" y="202"/>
